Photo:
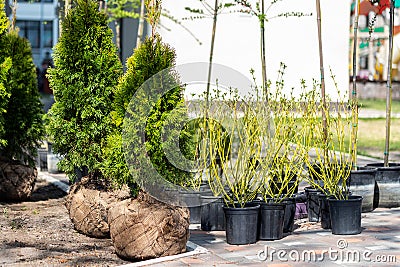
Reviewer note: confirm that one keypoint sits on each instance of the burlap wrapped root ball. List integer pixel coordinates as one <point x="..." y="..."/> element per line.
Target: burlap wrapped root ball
<point x="16" y="181"/>
<point x="145" y="228"/>
<point x="88" y="205"/>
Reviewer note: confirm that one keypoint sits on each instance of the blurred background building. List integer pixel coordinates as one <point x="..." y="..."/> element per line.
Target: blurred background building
<point x="373" y="42"/>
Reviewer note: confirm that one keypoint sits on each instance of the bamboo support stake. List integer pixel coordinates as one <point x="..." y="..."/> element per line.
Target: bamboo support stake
<point x="354" y="97"/>
<point x="215" y="15"/>
<point x="264" y="68"/>
<point x="389" y="87"/>
<point x="325" y="111"/>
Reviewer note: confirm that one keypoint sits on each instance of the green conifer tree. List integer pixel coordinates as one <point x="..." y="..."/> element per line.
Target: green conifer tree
<point x="5" y="65"/>
<point x="3" y="19"/>
<point x="23" y="125"/>
<point x="86" y="70"/>
<point x="150" y="58"/>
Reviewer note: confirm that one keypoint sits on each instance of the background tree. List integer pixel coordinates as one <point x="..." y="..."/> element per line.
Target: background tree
<point x="354" y="98"/>
<point x="86" y="70"/>
<point x="162" y="12"/>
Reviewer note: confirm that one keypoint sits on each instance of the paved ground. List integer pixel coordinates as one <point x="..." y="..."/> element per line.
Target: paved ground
<point x="309" y="245"/>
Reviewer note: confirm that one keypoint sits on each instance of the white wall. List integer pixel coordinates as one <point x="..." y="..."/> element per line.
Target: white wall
<point x="293" y="41"/>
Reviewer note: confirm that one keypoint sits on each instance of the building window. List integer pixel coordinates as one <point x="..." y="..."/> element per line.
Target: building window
<point x="48" y="34"/>
<point x="31" y="31"/>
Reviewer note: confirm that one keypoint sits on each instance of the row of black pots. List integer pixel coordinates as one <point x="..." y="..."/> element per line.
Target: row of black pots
<point x="378" y="185"/>
<point x="259" y="220"/>
<point x="209" y="211"/>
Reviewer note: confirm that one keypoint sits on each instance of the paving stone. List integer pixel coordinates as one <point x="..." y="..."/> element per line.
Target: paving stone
<point x="192" y="260"/>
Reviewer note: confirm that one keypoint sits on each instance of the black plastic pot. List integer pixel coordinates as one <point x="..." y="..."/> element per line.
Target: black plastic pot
<point x="212" y="213"/>
<point x="325" y="216"/>
<point x="387" y="185"/>
<point x="241" y="224"/>
<point x="312" y="203"/>
<point x="345" y="215"/>
<point x="362" y="183"/>
<point x="271" y="221"/>
<point x="290" y="212"/>
<point x="191" y="199"/>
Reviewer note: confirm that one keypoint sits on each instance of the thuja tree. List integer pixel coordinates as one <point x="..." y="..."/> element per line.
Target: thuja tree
<point x="23" y="127"/>
<point x="86" y="70"/>
<point x="4" y="66"/>
<point x="150" y="58"/>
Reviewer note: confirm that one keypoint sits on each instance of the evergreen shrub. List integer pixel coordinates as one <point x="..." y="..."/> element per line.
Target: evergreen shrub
<point x="150" y="58"/>
<point x="23" y="124"/>
<point x="87" y="69"/>
<point x="5" y="65"/>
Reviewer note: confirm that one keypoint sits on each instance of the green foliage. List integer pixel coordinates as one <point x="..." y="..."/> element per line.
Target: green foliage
<point x="4" y="67"/>
<point x="86" y="71"/>
<point x="241" y="125"/>
<point x="330" y="159"/>
<point x="4" y="23"/>
<point x="118" y="9"/>
<point x="23" y="127"/>
<point x="150" y="58"/>
<point x="4" y="94"/>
